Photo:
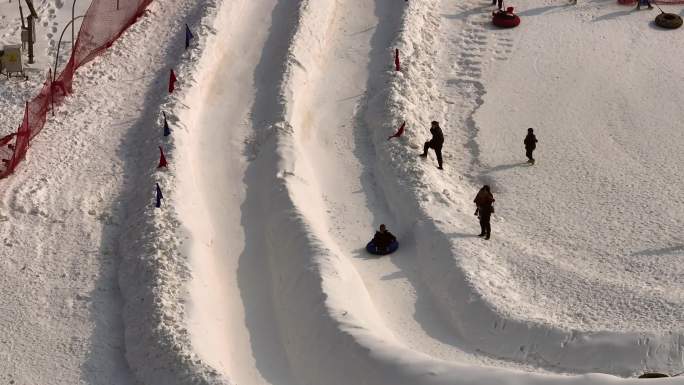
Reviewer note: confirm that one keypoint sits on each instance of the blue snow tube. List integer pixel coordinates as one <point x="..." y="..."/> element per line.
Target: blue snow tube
<point x="373" y="249"/>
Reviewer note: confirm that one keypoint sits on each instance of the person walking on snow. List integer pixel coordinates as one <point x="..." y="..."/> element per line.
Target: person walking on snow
<point x="530" y="145"/>
<point x="484" y="200"/>
<point x="435" y="143"/>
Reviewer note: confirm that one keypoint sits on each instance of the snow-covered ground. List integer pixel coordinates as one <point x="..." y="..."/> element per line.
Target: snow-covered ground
<point x="254" y="269"/>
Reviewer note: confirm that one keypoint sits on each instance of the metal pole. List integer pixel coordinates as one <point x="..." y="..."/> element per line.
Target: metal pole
<point x="52" y="98"/>
<point x="54" y="72"/>
<point x="73" y="42"/>
<point x="31" y="25"/>
<point x="21" y="13"/>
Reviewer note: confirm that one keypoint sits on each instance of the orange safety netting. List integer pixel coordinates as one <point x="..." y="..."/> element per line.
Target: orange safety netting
<point x="102" y="24"/>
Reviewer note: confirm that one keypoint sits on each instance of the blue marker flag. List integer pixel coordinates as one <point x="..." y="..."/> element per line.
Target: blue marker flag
<point x="188" y="36"/>
<point x="159" y="196"/>
<point x="167" y="130"/>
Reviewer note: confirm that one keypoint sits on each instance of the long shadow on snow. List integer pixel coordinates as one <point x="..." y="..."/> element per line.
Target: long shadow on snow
<point x="613" y="15"/>
<point x="471" y="12"/>
<point x="542" y="10"/>
<point x="254" y="274"/>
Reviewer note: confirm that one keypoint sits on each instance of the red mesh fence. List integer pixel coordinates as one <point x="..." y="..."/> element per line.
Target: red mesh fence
<point x="102" y="24"/>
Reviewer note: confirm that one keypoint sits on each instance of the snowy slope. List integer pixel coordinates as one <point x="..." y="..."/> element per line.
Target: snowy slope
<point x="254" y="272"/>
<point x="320" y="169"/>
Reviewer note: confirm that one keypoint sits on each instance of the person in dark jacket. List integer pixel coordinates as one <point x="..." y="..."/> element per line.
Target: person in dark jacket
<point x="530" y="145"/>
<point x="435" y="143"/>
<point x="484" y="200"/>
<point x="383" y="238"/>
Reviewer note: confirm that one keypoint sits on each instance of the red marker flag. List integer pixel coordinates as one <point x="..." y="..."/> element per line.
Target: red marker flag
<point x="399" y="132"/>
<point x="172" y="81"/>
<point x="162" y="158"/>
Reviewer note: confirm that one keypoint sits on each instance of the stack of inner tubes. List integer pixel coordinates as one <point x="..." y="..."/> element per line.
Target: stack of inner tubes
<point x="668" y="20"/>
<point x="505" y="19"/>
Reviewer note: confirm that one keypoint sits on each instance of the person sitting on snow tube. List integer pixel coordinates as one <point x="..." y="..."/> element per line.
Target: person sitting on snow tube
<point x="382" y="242"/>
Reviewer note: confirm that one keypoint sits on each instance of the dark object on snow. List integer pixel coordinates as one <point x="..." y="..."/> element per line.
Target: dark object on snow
<point x="188" y="36"/>
<point x="372" y="248"/>
<point x="162" y="159"/>
<point x="484" y="200"/>
<point x="530" y="144"/>
<point x="383" y="242"/>
<point x="172" y="81"/>
<point x="505" y="19"/>
<point x="167" y="130"/>
<point x="484" y="197"/>
<point x="159" y="196"/>
<point x="399" y="132"/>
<point x="653" y="375"/>
<point x="668" y="20"/>
<point x="435" y="143"/>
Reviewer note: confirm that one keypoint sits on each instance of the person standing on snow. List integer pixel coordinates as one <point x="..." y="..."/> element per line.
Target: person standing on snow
<point x="484" y="200"/>
<point x="530" y="145"/>
<point x="435" y="143"/>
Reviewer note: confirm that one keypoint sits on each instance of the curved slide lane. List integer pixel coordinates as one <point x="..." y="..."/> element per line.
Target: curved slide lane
<point x="231" y="316"/>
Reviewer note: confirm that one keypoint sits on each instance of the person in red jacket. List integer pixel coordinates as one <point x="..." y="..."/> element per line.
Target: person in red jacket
<point x="484" y="200"/>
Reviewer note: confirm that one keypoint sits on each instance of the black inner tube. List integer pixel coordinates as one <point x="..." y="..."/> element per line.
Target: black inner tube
<point x="668" y="20"/>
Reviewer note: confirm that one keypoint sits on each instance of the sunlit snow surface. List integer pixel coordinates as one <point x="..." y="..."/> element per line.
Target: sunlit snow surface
<point x="254" y="270"/>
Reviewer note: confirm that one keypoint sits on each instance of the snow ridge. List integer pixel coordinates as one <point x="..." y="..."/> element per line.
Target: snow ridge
<point x="154" y="271"/>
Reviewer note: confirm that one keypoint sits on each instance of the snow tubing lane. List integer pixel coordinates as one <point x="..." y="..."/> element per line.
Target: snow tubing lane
<point x="668" y="20"/>
<point x="371" y="248"/>
<point x="505" y="21"/>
